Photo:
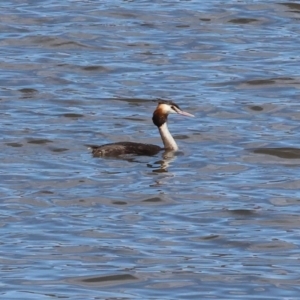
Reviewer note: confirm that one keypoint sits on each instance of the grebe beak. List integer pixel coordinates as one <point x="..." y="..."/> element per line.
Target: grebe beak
<point x="183" y="113"/>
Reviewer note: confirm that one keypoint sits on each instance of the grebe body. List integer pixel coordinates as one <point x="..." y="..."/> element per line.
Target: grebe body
<point x="123" y="148"/>
<point x="160" y="116"/>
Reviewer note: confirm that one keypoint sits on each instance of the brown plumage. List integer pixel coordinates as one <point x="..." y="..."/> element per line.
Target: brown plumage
<point x="160" y="115"/>
<point x="123" y="148"/>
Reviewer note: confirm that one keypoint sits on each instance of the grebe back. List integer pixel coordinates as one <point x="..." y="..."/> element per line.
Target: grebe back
<point x="160" y="117"/>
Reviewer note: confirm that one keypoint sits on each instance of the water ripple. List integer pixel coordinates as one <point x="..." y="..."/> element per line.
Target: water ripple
<point x="217" y="220"/>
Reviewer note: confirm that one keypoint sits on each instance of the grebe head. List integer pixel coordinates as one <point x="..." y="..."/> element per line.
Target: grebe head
<point x="163" y="109"/>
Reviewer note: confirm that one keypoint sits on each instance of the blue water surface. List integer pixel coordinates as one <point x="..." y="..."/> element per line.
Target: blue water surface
<point x="217" y="220"/>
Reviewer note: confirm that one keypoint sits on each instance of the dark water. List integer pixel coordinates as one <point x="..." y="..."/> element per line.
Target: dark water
<point x="219" y="220"/>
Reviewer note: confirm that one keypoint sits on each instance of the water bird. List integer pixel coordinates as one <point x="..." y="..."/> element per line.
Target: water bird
<point x="160" y="117"/>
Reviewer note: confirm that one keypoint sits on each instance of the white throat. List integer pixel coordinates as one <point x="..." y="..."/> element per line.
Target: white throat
<point x="167" y="138"/>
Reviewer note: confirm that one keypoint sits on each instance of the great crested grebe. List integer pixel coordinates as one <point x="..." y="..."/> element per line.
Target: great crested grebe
<point x="160" y="117"/>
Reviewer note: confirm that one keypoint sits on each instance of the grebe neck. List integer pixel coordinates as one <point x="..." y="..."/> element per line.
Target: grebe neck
<point x="167" y="138"/>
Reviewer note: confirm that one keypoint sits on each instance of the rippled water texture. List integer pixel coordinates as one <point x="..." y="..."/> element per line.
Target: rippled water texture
<point x="218" y="220"/>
